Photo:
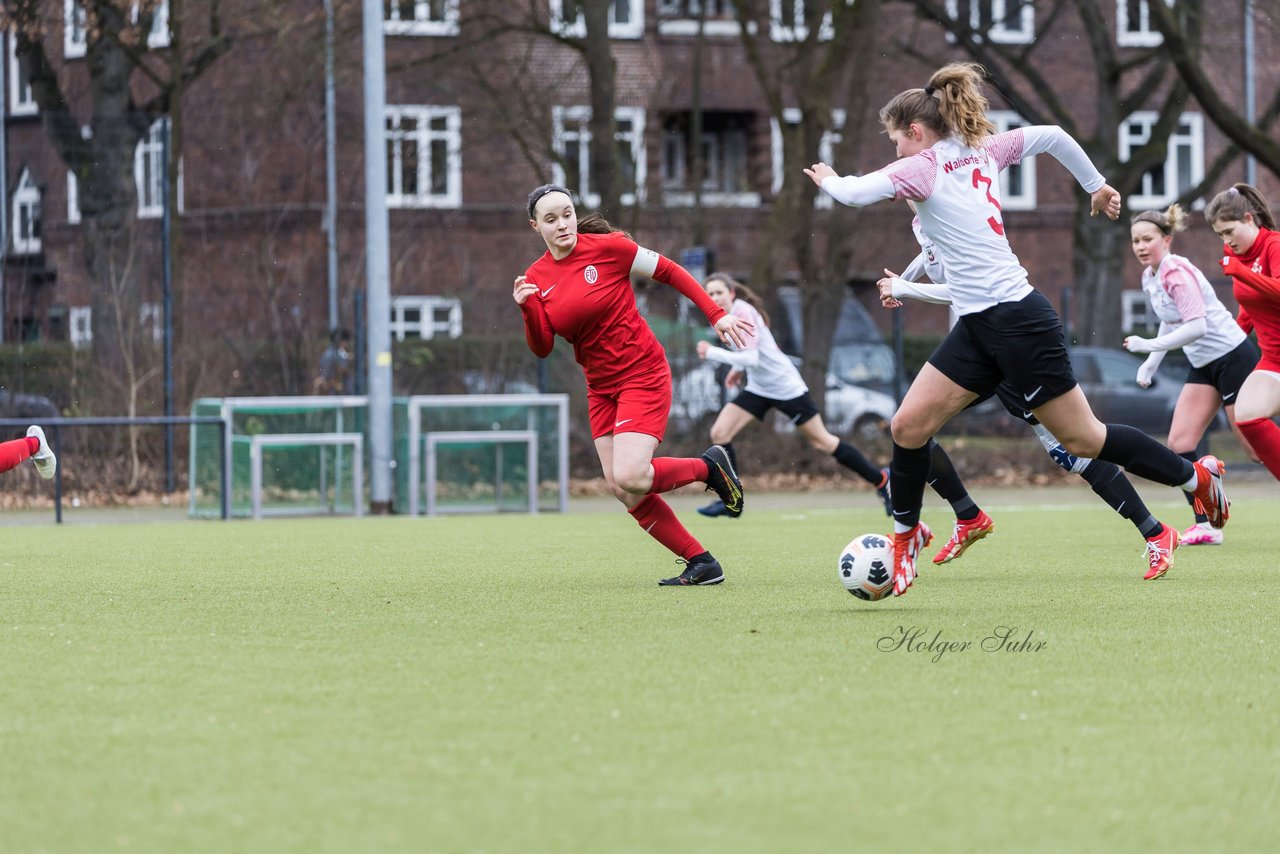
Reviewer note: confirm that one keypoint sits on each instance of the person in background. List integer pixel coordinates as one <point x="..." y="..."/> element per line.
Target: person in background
<point x="335" y="375"/>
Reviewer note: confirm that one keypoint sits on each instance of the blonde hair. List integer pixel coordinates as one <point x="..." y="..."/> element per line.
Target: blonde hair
<point x="740" y="291"/>
<point x="1172" y="219"/>
<point x="952" y="104"/>
<point x="1233" y="204"/>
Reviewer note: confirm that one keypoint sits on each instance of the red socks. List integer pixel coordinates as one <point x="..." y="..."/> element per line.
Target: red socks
<point x="659" y="521"/>
<point x="674" y="472"/>
<point x="1264" y="437"/>
<point x="14" y="452"/>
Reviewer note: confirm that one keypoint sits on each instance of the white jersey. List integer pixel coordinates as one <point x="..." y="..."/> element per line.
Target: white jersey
<point x="1179" y="292"/>
<point x="928" y="262"/>
<point x="957" y="195"/>
<point x="770" y="373"/>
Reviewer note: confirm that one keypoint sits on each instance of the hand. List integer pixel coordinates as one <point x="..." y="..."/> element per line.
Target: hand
<point x="885" y="286"/>
<point x="735" y="330"/>
<point x="1137" y="344"/>
<point x="818" y="171"/>
<point x="1147" y="371"/>
<point x="734" y="378"/>
<point x="1232" y="266"/>
<point x="523" y="289"/>
<point x="1105" y="200"/>
<point x="703" y="347"/>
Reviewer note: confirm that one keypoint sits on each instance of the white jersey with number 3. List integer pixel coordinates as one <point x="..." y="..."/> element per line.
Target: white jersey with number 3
<point x="957" y="194"/>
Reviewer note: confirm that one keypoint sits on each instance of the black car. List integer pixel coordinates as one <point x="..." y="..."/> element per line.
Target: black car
<point x="31" y="406"/>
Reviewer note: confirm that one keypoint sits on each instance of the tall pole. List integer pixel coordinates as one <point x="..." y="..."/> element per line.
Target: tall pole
<point x="378" y="260"/>
<point x="1251" y="163"/>
<point x="166" y="231"/>
<point x="330" y="167"/>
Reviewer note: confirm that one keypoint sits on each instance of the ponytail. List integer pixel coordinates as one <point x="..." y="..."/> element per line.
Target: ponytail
<point x="1172" y="219"/>
<point x="595" y="223"/>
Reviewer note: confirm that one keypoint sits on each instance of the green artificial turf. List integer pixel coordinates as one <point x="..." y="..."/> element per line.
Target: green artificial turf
<point x="522" y="684"/>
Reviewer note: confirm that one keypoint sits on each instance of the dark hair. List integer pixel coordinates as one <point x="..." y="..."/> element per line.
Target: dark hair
<point x="1170" y="220"/>
<point x="539" y="192"/>
<point x="952" y="103"/>
<point x="595" y="223"/>
<point x="740" y="291"/>
<point x="342" y="334"/>
<point x="1233" y="204"/>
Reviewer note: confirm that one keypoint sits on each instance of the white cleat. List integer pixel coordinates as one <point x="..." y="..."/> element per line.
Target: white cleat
<point x="46" y="462"/>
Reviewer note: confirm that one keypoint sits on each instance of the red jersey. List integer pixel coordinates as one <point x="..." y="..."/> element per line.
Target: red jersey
<point x="1254" y="286"/>
<point x="586" y="298"/>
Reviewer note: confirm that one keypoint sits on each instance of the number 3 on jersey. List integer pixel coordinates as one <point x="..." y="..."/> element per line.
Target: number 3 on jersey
<point x="994" y="221"/>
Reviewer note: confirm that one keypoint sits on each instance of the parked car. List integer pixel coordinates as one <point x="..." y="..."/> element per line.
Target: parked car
<point x="1109" y="379"/>
<point x="31" y="406"/>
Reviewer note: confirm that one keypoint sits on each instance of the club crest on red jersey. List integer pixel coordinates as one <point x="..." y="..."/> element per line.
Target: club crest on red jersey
<point x="591" y="274"/>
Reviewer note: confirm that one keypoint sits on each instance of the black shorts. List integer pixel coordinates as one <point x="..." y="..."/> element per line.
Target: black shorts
<point x="1012" y="402"/>
<point x="1227" y="372"/>
<point x="798" y="409"/>
<point x="1018" y="343"/>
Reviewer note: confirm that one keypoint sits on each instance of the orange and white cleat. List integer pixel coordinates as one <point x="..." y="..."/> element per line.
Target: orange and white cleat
<point x="1200" y="534"/>
<point x="1160" y="549"/>
<point x="964" y="535"/>
<point x="1211" y="498"/>
<point x="906" y="548"/>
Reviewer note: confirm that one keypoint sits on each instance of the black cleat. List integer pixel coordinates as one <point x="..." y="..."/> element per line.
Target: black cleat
<point x="699" y="572"/>
<point x="723" y="480"/>
<point x="885" y="495"/>
<point x="715" y="508"/>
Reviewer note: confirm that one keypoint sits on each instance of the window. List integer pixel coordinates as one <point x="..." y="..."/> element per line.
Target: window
<point x="1183" y="166"/>
<point x="21" y="101"/>
<point x="1002" y="21"/>
<point x="424" y="157"/>
<point x="159" y="34"/>
<point x="1017" y="182"/>
<point x="420" y="17"/>
<point x="1133" y="24"/>
<point x="726" y="179"/>
<point x="148" y="172"/>
<point x="680" y="18"/>
<point x="787" y="23"/>
<point x="1136" y="314"/>
<point x="80" y="325"/>
<point x="75" y="38"/>
<point x="826" y="148"/>
<point x="151" y="320"/>
<point x="626" y="19"/>
<point x="425" y="317"/>
<point x="26" y="216"/>
<point x="571" y="139"/>
<point x="73" y="198"/>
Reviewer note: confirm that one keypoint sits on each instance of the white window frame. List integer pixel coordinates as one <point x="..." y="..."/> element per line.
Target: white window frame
<point x="998" y="32"/>
<point x="151" y="316"/>
<point x="159" y="35"/>
<point x="75" y="36"/>
<point x="436" y="315"/>
<point x="780" y="31"/>
<point x="577" y="28"/>
<point x="680" y="18"/>
<point x="1006" y="120"/>
<point x="1145" y="35"/>
<point x="677" y="198"/>
<point x="826" y="149"/>
<point x="1192" y="141"/>
<point x="574" y="123"/>
<point x="21" y="100"/>
<point x="151" y="145"/>
<point x="423" y="138"/>
<point x="73" y="199"/>
<point x="80" y="326"/>
<point x="422" y="24"/>
<point x="26" y="196"/>
<point x="1136" y="313"/>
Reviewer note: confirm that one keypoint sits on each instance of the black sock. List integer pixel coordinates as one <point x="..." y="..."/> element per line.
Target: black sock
<point x="733" y="457"/>
<point x="945" y="482"/>
<point x="907" y="476"/>
<point x="1192" y="456"/>
<point x="851" y="458"/>
<point x="1137" y="453"/>
<point x="1114" y="488"/>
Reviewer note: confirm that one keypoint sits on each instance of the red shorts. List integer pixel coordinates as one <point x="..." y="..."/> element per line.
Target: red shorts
<point x="639" y="406"/>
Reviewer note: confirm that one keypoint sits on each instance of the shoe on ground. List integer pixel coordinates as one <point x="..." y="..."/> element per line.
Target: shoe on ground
<point x="885" y="495"/>
<point x="1160" y="549"/>
<point x="715" y="508"/>
<point x="44" y="459"/>
<point x="964" y="535"/>
<point x="1211" y="498"/>
<point x="906" y="548"/>
<point x="1201" y="534"/>
<point x="697" y="573"/>
<point x="723" y="480"/>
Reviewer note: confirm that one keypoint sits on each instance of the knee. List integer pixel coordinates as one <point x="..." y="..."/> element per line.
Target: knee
<point x="622" y="495"/>
<point x="630" y="482"/>
<point x="720" y="436"/>
<point x="1082" y="446"/>
<point x="906" y="433"/>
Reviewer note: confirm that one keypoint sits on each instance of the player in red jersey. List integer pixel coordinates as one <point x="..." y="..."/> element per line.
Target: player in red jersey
<point x="1251" y="257"/>
<point x="580" y="289"/>
<point x="33" y="445"/>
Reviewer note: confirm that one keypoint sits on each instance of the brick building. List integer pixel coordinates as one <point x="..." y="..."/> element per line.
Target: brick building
<point x="252" y="274"/>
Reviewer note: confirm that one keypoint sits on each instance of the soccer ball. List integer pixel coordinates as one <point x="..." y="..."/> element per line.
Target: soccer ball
<point x="866" y="567"/>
